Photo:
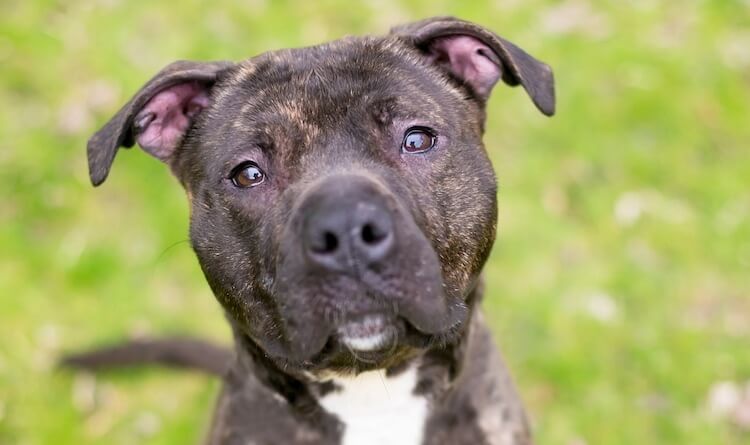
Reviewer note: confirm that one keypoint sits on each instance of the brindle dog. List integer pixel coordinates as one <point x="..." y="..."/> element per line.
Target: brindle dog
<point x="342" y="208"/>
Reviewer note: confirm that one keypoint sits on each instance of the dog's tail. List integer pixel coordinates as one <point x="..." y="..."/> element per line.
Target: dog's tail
<point x="177" y="352"/>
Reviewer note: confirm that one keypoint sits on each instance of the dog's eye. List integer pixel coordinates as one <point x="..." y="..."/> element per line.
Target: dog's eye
<point x="418" y="140"/>
<point x="247" y="175"/>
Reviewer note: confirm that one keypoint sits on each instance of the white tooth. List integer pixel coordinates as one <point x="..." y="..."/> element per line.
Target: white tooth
<point x="369" y="343"/>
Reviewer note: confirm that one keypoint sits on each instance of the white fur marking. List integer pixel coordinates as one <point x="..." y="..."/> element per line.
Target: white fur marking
<point x="376" y="409"/>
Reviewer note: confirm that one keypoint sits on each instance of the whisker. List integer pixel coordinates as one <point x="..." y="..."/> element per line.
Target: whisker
<point x="170" y="247"/>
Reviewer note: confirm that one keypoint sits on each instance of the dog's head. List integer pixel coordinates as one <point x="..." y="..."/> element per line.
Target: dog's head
<point x="342" y="202"/>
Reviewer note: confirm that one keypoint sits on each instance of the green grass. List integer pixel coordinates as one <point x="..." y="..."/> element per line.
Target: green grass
<point x="619" y="287"/>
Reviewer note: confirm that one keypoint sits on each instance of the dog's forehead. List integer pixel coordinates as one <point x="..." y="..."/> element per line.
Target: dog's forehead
<point x="353" y="58"/>
<point x="305" y="105"/>
<point x="315" y="85"/>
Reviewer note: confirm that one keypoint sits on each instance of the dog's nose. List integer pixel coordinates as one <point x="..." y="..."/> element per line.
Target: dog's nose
<point x="348" y="229"/>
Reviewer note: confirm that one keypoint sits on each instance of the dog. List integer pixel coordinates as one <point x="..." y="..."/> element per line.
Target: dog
<point x="342" y="206"/>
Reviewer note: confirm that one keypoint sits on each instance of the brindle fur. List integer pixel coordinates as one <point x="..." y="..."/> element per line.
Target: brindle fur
<point x="337" y="112"/>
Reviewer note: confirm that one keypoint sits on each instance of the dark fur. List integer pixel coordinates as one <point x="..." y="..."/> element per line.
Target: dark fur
<point x="325" y="123"/>
<point x="178" y="352"/>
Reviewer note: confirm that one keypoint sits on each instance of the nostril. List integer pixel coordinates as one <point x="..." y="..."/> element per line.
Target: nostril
<point x="374" y="241"/>
<point x="329" y="243"/>
<point x="371" y="234"/>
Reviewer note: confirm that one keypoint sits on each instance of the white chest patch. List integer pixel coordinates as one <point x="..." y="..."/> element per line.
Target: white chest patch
<point x="376" y="409"/>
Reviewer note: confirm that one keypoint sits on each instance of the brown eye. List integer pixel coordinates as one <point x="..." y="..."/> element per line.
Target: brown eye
<point x="418" y="140"/>
<point x="247" y="175"/>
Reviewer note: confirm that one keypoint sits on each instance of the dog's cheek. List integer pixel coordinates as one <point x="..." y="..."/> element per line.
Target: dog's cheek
<point x="469" y="208"/>
<point x="229" y="251"/>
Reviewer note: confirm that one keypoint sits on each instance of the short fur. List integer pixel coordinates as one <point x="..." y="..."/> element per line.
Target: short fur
<point x="325" y="124"/>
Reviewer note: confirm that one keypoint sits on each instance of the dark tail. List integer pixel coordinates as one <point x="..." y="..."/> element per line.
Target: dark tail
<point x="177" y="352"/>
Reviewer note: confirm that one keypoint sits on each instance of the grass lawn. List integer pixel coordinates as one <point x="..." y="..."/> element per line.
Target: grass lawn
<point x="619" y="287"/>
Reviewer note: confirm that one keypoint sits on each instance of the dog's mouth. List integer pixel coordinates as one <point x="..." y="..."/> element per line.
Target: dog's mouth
<point x="374" y="332"/>
<point x="356" y="330"/>
<point x="362" y="329"/>
<point x="372" y="341"/>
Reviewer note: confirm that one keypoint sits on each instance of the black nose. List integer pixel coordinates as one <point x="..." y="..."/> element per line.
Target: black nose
<point x="347" y="226"/>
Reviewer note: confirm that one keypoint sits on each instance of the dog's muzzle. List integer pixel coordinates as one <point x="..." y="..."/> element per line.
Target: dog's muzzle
<point x="356" y="270"/>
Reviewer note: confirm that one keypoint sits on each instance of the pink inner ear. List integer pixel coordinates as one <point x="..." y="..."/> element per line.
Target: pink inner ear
<point x="468" y="59"/>
<point x="162" y="123"/>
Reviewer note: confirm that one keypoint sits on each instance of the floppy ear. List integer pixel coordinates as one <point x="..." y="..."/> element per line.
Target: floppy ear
<point x="478" y="58"/>
<point x="157" y="117"/>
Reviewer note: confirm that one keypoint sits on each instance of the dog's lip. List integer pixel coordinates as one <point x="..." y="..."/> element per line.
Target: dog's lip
<point x="370" y="332"/>
<point x="404" y="337"/>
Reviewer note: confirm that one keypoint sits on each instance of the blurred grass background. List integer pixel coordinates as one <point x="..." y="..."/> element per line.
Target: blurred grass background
<point x="619" y="287"/>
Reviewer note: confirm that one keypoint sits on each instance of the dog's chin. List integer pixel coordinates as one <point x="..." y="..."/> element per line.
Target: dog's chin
<point x="374" y="341"/>
<point x="375" y="337"/>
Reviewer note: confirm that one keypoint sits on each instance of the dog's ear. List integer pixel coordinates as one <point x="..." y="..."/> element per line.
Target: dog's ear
<point x="479" y="58"/>
<point x="157" y="117"/>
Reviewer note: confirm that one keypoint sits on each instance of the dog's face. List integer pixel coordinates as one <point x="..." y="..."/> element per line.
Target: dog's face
<point x="342" y="203"/>
<point x="337" y="206"/>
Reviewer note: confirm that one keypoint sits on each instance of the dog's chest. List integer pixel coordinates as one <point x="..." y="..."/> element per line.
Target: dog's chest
<point x="376" y="409"/>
